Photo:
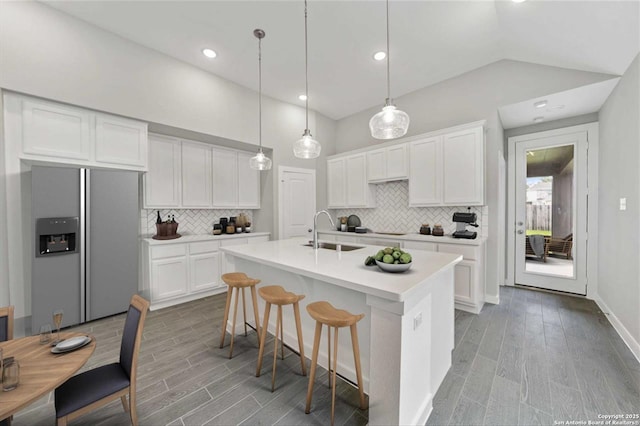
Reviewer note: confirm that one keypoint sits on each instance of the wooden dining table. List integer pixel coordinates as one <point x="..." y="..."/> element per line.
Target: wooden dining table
<point x="40" y="370"/>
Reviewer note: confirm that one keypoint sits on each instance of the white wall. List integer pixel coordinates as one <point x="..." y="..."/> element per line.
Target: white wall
<point x="46" y="53"/>
<point x="619" y="231"/>
<point x="469" y="97"/>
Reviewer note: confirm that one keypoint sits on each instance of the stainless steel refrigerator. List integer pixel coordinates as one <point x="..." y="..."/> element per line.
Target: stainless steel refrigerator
<point x="85" y="260"/>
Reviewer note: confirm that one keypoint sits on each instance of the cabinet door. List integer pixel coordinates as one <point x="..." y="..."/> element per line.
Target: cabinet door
<point x="357" y="184"/>
<point x="162" y="181"/>
<point x="396" y="161"/>
<point x="55" y="130"/>
<point x="248" y="183"/>
<point x="225" y="178"/>
<point x="203" y="271"/>
<point x="196" y="175"/>
<point x="420" y="245"/>
<point x="425" y="172"/>
<point x="168" y="278"/>
<point x="377" y="165"/>
<point x="464" y="286"/>
<point x="121" y="141"/>
<point x="463" y="167"/>
<point x="336" y="191"/>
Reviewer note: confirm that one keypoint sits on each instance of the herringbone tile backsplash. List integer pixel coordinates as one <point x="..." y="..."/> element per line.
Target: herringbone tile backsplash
<point x="190" y="221"/>
<point x="393" y="213"/>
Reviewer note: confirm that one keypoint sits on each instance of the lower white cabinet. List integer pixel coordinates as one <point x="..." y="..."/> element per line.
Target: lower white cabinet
<point x="177" y="272"/>
<point x="469" y="274"/>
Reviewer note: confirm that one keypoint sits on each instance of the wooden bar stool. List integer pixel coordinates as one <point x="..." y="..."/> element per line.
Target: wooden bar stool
<point x="239" y="281"/>
<point x="325" y="313"/>
<point x="276" y="295"/>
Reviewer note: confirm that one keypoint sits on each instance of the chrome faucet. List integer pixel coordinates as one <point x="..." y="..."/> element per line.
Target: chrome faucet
<point x="315" y="227"/>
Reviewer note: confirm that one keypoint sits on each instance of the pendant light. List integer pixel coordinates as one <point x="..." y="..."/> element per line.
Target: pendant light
<point x="260" y="161"/>
<point x="306" y="147"/>
<point x="390" y="123"/>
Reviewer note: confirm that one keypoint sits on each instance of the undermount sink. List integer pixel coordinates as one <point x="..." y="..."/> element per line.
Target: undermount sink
<point x="333" y="246"/>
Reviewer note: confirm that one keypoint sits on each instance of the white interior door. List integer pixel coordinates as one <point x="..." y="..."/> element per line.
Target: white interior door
<point x="550" y="196"/>
<point x="297" y="189"/>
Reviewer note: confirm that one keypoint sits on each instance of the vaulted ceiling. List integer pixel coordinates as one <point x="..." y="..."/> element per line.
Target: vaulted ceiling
<point x="430" y="40"/>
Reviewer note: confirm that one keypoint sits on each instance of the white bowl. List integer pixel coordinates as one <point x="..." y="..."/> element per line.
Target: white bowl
<point x="393" y="267"/>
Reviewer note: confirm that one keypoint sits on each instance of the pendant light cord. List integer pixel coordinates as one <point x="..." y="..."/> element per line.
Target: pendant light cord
<point x="260" y="92"/>
<point x="388" y="57"/>
<point x="306" y="70"/>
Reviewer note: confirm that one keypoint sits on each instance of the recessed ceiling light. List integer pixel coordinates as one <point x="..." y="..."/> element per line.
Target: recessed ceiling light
<point x="538" y="119"/>
<point x="540" y="104"/>
<point x="209" y="53"/>
<point x="378" y="56"/>
<point x="302" y="97"/>
<point x="518" y="1"/>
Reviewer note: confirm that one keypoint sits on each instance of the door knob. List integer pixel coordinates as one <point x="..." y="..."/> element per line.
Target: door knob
<point x="309" y="230"/>
<point x="520" y="231"/>
<point x="520" y="223"/>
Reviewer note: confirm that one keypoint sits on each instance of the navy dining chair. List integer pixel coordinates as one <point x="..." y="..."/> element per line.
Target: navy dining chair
<point x="94" y="388"/>
<point x="6" y="323"/>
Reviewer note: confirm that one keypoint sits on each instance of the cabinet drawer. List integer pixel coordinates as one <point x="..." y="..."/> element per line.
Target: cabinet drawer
<point x="204" y="247"/>
<point x="468" y="253"/>
<point x="420" y="245"/>
<point x="171" y="250"/>
<point x="234" y="242"/>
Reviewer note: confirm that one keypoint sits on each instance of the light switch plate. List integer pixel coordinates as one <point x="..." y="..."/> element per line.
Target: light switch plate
<point x="417" y="321"/>
<point x="623" y="203"/>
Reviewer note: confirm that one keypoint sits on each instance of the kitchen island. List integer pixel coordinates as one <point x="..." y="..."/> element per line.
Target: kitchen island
<point x="406" y="336"/>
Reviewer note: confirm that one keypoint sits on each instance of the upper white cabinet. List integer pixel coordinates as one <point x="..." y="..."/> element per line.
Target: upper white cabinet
<point x="447" y="169"/>
<point x="387" y="164"/>
<point x="225" y="178"/>
<point x="186" y="174"/>
<point x="55" y="130"/>
<point x="59" y="133"/>
<point x="348" y="185"/>
<point x="162" y="181"/>
<point x="425" y="179"/>
<point x="196" y="175"/>
<point x="337" y="190"/>
<point x="463" y="167"/>
<point x="248" y="182"/>
<point x="120" y="141"/>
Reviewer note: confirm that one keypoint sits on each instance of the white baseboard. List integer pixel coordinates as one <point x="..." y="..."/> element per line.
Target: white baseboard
<point x="494" y="300"/>
<point x="633" y="345"/>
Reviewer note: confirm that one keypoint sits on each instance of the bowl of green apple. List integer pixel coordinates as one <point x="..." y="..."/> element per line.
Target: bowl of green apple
<point x="390" y="259"/>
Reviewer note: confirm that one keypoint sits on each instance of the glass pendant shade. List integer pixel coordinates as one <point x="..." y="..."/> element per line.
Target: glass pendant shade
<point x="390" y="123"/>
<point x="260" y="162"/>
<point x="306" y="147"/>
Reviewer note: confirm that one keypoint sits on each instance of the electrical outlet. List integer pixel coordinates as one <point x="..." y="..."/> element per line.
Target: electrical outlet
<point x="623" y="203"/>
<point x="417" y="321"/>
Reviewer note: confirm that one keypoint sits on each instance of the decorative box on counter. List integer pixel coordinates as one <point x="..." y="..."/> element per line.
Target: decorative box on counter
<point x="166" y="230"/>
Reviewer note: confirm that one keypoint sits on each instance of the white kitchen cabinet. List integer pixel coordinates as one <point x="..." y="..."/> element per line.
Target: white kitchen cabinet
<point x="387" y="164"/>
<point x="196" y="175"/>
<point x="55" y="130"/>
<point x="463" y="167"/>
<point x="188" y="268"/>
<point x="447" y="170"/>
<point x="51" y="132"/>
<point x="425" y="176"/>
<point x="162" y="181"/>
<point x="419" y="245"/>
<point x="347" y="183"/>
<point x="225" y="178"/>
<point x="248" y="183"/>
<point x="469" y="276"/>
<point x="120" y="141"/>
<point x="351" y="239"/>
<point x="336" y="182"/>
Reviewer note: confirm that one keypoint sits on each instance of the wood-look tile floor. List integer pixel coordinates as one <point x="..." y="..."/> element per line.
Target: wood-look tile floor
<point x="535" y="358"/>
<point x="184" y="378"/>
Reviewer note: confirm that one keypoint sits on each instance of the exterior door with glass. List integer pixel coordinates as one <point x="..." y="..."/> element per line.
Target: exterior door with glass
<point x="550" y="196"/>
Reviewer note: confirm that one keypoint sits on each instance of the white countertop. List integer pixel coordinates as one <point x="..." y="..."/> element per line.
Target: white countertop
<point x="204" y="237"/>
<point x="446" y="239"/>
<point x="346" y="268"/>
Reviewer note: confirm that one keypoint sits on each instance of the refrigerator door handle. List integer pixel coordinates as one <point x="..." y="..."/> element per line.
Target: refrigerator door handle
<point x="84" y="246"/>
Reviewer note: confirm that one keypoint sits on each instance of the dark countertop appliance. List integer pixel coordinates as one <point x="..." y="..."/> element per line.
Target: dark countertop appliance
<point x="463" y="220"/>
